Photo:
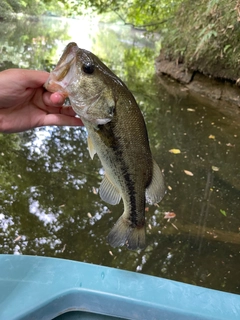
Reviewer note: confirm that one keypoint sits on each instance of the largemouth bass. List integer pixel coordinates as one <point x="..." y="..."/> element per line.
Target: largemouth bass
<point x="117" y="133"/>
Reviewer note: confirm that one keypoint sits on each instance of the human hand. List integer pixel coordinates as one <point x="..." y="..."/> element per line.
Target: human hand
<point x="25" y="104"/>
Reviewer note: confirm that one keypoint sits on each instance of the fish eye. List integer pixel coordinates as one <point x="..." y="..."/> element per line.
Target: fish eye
<point x="88" y="68"/>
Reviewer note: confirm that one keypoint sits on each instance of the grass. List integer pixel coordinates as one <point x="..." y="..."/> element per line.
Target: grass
<point x="205" y="36"/>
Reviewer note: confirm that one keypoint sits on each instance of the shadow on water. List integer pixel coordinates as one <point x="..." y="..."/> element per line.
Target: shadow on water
<point x="48" y="198"/>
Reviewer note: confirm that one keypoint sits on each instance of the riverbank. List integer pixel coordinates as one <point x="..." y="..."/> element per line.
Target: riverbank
<point x="200" y="49"/>
<point x="214" y="89"/>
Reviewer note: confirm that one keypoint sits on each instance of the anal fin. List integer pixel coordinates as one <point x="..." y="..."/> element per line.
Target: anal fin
<point x="108" y="192"/>
<point x="91" y="148"/>
<point x="156" y="190"/>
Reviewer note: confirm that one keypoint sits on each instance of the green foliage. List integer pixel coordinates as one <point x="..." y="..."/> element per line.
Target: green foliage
<point x="31" y="7"/>
<point x="205" y="36"/>
<point x="5" y="9"/>
<point x="139" y="13"/>
<point x="15" y="5"/>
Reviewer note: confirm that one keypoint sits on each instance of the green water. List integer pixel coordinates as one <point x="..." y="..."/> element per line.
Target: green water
<point x="48" y="183"/>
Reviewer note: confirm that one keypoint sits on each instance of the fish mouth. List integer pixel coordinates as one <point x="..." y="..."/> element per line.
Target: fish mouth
<point x="61" y="76"/>
<point x="66" y="61"/>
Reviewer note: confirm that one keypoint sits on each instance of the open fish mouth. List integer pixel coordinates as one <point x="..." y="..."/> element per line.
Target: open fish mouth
<point x="61" y="76"/>
<point x="67" y="60"/>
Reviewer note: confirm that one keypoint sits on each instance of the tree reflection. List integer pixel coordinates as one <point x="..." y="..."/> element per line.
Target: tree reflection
<point x="30" y="43"/>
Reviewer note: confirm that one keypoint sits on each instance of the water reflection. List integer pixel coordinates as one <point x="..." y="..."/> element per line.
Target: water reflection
<point x="48" y="198"/>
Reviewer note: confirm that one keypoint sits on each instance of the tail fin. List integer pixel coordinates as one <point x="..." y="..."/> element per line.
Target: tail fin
<point x="123" y="234"/>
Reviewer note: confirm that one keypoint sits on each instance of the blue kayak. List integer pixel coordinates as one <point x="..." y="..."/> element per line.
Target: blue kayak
<point x="39" y="288"/>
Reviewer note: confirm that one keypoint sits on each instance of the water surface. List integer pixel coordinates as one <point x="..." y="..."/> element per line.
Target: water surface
<point x="49" y="204"/>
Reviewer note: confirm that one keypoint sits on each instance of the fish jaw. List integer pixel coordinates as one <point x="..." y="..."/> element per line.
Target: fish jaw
<point x="62" y="75"/>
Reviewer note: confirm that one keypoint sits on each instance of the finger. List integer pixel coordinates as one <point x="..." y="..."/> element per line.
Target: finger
<point x="53" y="99"/>
<point x="61" y="120"/>
<point x="27" y="78"/>
<point x="34" y="78"/>
<point x="57" y="98"/>
<point x="68" y="111"/>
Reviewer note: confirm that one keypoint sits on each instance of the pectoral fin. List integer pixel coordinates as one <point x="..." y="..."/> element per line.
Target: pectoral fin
<point x="108" y="192"/>
<point x="156" y="190"/>
<point x="91" y="148"/>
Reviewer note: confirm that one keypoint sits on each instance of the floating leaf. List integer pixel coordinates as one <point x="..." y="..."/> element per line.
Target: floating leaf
<point x="190" y="109"/>
<point x="169" y="215"/>
<point x="211" y="136"/>
<point x="174" y="226"/>
<point x="17" y="239"/>
<point x="189" y="173"/>
<point x="215" y="168"/>
<point x="223" y="212"/>
<point x="94" y="190"/>
<point x="230" y="145"/>
<point x="175" y="151"/>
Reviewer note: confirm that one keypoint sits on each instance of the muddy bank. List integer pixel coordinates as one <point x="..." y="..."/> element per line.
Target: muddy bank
<point x="208" y="93"/>
<point x="227" y="93"/>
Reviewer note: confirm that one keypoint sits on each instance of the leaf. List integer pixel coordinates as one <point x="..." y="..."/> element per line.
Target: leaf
<point x="169" y="215"/>
<point x="223" y="212"/>
<point x="189" y="173"/>
<point x="226" y="48"/>
<point x="230" y="145"/>
<point x="215" y="168"/>
<point x="94" y="190"/>
<point x="175" y="151"/>
<point x="211" y="136"/>
<point x="174" y="226"/>
<point x="17" y="239"/>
